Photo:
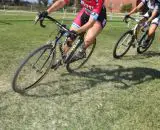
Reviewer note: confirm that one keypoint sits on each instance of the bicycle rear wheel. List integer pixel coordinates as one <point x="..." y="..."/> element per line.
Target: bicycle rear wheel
<point x="123" y="44"/>
<point x="73" y="66"/>
<point x="33" y="69"/>
<point x="142" y="49"/>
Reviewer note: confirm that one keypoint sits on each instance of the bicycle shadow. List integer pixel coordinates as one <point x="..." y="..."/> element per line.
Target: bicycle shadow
<point x="145" y="55"/>
<point x="115" y="76"/>
<point x="151" y="54"/>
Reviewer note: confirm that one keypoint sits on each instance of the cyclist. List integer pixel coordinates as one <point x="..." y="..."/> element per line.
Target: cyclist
<point x="91" y="19"/>
<point x="151" y="17"/>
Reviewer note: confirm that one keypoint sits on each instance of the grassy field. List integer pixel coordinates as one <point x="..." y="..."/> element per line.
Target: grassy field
<point x="106" y="94"/>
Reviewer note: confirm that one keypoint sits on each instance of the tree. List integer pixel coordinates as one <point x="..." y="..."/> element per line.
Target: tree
<point x="16" y="2"/>
<point x="126" y="7"/>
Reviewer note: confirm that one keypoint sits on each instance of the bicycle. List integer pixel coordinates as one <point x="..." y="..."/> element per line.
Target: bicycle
<point x="38" y="63"/>
<point x="133" y="38"/>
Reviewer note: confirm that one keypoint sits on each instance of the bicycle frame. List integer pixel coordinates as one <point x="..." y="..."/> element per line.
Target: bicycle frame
<point x="63" y="31"/>
<point x="57" y="41"/>
<point x="41" y="66"/>
<point x="136" y="31"/>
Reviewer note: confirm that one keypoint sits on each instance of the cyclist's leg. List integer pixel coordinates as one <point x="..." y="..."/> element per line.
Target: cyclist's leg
<point x="151" y="31"/>
<point x="150" y="34"/>
<point x="88" y="40"/>
<point x="153" y="27"/>
<point x="69" y="42"/>
<point x="77" y="23"/>
<point x="92" y="33"/>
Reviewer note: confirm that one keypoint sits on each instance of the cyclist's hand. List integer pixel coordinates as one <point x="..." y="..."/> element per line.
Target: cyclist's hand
<point x="126" y="18"/>
<point x="40" y="16"/>
<point x="43" y="15"/>
<point x="73" y="35"/>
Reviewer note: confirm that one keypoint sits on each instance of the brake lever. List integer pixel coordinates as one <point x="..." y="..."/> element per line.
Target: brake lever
<point x="41" y="24"/>
<point x="40" y="20"/>
<point x="124" y="20"/>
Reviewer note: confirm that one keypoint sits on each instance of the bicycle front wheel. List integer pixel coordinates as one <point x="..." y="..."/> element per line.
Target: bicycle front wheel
<point x="142" y="49"/>
<point x="33" y="68"/>
<point x="123" y="44"/>
<point x="73" y="66"/>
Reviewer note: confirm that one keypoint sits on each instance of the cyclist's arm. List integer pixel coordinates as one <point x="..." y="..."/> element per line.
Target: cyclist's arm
<point x="154" y="14"/>
<point x="57" y="5"/>
<point x="137" y="8"/>
<point x="93" y="17"/>
<point x="86" y="26"/>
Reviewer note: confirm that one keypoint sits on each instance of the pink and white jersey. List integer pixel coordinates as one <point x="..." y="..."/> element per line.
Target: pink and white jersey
<point x="92" y="7"/>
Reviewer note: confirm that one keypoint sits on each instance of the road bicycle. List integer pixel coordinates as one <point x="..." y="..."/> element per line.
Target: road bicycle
<point x="134" y="37"/>
<point x="38" y="63"/>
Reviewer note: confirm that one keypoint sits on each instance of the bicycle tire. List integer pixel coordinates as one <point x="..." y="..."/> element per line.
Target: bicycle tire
<point x="46" y="59"/>
<point x="128" y="45"/>
<point x="74" y="66"/>
<point x="140" y="49"/>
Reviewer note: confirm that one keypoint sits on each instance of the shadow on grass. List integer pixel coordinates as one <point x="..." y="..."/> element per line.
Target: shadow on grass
<point x="114" y="76"/>
<point x="145" y="55"/>
<point x="151" y="54"/>
<point x="127" y="77"/>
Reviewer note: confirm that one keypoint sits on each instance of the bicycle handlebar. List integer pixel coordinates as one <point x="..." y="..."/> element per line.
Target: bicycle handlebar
<point x="143" y="28"/>
<point x="62" y="27"/>
<point x="51" y="19"/>
<point x="132" y="18"/>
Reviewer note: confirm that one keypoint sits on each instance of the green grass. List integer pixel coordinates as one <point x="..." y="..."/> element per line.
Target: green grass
<point x="106" y="94"/>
